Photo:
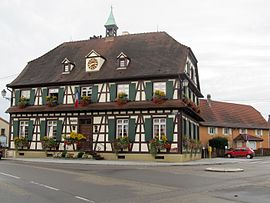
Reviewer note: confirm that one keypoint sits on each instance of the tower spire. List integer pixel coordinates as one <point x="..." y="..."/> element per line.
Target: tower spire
<point x="110" y="25"/>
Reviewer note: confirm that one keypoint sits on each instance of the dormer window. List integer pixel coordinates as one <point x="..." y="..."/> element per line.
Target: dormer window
<point x="68" y="66"/>
<point x="123" y="61"/>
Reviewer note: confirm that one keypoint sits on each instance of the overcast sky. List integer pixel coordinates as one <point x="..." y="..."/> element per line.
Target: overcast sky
<point x="230" y="38"/>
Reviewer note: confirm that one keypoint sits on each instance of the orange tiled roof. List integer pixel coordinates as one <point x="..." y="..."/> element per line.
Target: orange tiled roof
<point x="223" y="114"/>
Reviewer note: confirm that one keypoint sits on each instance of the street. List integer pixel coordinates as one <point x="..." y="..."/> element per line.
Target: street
<point x="29" y="182"/>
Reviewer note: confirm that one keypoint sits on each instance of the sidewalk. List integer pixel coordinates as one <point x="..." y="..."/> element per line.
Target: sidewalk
<point x="213" y="161"/>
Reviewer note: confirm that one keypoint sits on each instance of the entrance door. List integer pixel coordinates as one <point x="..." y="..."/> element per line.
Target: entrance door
<point x="85" y="128"/>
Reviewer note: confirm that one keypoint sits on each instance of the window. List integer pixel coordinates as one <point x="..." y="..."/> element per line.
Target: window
<point x="25" y="94"/>
<point x="86" y="91"/>
<point x="123" y="88"/>
<point x="258" y="132"/>
<point x="53" y="92"/>
<point x="159" y="127"/>
<point x="67" y="66"/>
<point x="51" y="129"/>
<point x="243" y="131"/>
<point x="123" y="61"/>
<point x="159" y="86"/>
<point x="23" y="128"/>
<point x="227" y="131"/>
<point x="3" y="131"/>
<point x="212" y="130"/>
<point x="122" y="127"/>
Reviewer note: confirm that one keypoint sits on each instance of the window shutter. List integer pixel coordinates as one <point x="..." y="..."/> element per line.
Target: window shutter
<point x="111" y="133"/>
<point x="17" y="96"/>
<point x="169" y="89"/>
<point x="149" y="91"/>
<point x="132" y="91"/>
<point x="169" y="129"/>
<point x="131" y="130"/>
<point x="30" y="130"/>
<point x="42" y="129"/>
<point x="61" y="95"/>
<point x="94" y="97"/>
<point x="148" y="129"/>
<point x="59" y="130"/>
<point x="44" y="95"/>
<point x="113" y="92"/>
<point x="77" y="89"/>
<point x="32" y="97"/>
<point x="15" y="129"/>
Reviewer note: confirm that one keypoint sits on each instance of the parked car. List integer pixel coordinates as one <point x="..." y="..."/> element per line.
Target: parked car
<point x="240" y="152"/>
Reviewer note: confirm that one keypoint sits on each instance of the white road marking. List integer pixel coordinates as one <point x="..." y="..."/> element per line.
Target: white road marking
<point x="46" y="186"/>
<point x="9" y="175"/>
<point x="84" y="199"/>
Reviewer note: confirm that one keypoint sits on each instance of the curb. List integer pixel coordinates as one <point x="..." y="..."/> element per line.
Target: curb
<point x="225" y="169"/>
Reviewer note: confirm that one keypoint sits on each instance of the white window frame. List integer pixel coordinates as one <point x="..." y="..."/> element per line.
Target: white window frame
<point x="123" y="88"/>
<point x="121" y="127"/>
<point x="51" y="128"/>
<point x="243" y="131"/>
<point x="86" y="91"/>
<point x="212" y="130"/>
<point x="259" y="132"/>
<point x="24" y="128"/>
<point x="25" y="94"/>
<point x="159" y="127"/>
<point x="161" y="86"/>
<point x="227" y="131"/>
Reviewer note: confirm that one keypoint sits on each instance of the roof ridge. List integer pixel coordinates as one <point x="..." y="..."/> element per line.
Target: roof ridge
<point x="224" y="102"/>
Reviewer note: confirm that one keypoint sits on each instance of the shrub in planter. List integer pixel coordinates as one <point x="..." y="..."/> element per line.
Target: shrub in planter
<point x="159" y="97"/>
<point x="122" y="98"/>
<point x="85" y="100"/>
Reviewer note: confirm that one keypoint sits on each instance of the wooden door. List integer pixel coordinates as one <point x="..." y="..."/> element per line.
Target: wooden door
<point x="86" y="128"/>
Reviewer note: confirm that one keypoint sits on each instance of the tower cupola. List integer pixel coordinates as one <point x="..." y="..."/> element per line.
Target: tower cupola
<point x="110" y="25"/>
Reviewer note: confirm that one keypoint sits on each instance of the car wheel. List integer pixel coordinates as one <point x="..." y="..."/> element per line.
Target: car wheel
<point x="229" y="156"/>
<point x="249" y="156"/>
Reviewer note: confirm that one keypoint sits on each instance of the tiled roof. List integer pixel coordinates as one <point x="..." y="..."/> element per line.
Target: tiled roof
<point x="152" y="55"/>
<point x="223" y="114"/>
<point x="247" y="137"/>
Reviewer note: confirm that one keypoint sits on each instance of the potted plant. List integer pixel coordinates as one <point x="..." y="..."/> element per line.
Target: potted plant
<point x="85" y="100"/>
<point x="51" y="101"/>
<point x="74" y="139"/>
<point x="157" y="144"/>
<point x="20" y="142"/>
<point x="121" y="143"/>
<point x="122" y="98"/>
<point x="159" y="97"/>
<point x="48" y="143"/>
<point x="23" y="102"/>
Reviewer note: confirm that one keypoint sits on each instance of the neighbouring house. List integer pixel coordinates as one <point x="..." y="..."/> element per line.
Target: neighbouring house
<point x="241" y="124"/>
<point x="137" y="85"/>
<point x="4" y="132"/>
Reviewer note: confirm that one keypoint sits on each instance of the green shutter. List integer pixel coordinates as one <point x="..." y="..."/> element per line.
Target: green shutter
<point x="148" y="129"/>
<point x="169" y="129"/>
<point x="15" y="129"/>
<point x="17" y="96"/>
<point x="59" y="130"/>
<point x="61" y="95"/>
<point x="112" y="92"/>
<point x="44" y="95"/>
<point x="132" y="91"/>
<point x="32" y="97"/>
<point x="149" y="91"/>
<point x="131" y="130"/>
<point x="169" y="89"/>
<point x="77" y="89"/>
<point x="42" y="129"/>
<point x="94" y="97"/>
<point x="30" y="130"/>
<point x="111" y="126"/>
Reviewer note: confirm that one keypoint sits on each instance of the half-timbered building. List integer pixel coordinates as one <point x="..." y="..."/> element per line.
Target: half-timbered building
<point x="136" y="65"/>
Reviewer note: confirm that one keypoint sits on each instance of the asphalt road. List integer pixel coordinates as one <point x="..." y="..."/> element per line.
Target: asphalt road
<point x="22" y="182"/>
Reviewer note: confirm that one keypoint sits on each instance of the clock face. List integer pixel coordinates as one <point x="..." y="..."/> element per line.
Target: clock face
<point x="92" y="63"/>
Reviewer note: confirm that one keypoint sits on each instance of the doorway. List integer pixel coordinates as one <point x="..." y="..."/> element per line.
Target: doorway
<point x="86" y="128"/>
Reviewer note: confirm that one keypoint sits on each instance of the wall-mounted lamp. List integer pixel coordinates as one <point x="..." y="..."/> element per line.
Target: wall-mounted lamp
<point x="4" y="94"/>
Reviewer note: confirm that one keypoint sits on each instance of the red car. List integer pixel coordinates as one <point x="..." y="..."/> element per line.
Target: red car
<point x="240" y="152"/>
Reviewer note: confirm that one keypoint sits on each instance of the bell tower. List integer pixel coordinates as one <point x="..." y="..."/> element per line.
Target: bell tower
<point x="110" y="25"/>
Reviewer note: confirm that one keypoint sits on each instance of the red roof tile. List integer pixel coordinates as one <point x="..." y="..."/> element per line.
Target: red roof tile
<point x="223" y="114"/>
<point x="247" y="137"/>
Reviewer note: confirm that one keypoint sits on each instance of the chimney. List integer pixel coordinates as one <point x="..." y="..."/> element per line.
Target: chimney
<point x="209" y="99"/>
<point x="125" y="33"/>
